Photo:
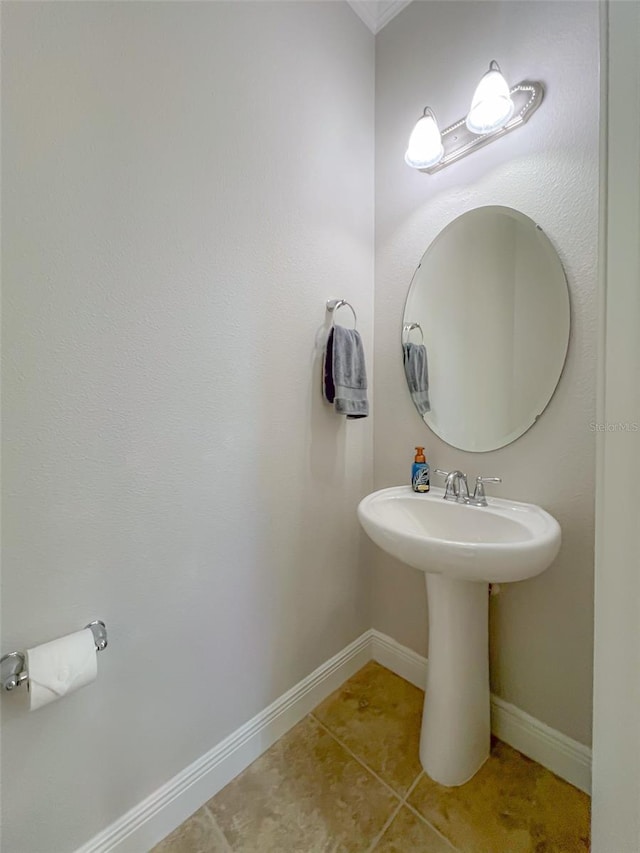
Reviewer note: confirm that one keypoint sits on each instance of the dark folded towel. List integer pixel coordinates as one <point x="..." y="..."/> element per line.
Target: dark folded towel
<point x="345" y="375"/>
<point x="415" y="368"/>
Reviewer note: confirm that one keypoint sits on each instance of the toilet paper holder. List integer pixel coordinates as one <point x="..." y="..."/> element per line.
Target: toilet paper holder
<point x="13" y="669"/>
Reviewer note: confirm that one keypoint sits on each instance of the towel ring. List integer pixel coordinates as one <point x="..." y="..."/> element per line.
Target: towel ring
<point x="409" y="327"/>
<point x="334" y="304"/>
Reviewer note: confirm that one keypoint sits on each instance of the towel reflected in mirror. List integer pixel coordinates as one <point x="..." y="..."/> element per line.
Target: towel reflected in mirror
<point x="416" y="371"/>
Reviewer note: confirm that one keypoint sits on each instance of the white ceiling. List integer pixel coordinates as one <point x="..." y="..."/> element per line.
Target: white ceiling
<point x="377" y="13"/>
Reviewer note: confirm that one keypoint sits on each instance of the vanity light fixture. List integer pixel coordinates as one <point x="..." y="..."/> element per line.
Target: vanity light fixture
<point x="495" y="111"/>
<point x="425" y="143"/>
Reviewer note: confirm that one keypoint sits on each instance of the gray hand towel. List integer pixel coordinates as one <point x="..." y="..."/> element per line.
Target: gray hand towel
<point x="415" y="368"/>
<point x="345" y="375"/>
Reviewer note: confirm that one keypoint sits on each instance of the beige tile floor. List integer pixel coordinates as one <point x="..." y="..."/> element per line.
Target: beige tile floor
<point x="347" y="779"/>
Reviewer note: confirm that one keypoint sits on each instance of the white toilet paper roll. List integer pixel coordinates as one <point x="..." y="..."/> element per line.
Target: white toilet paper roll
<point x="60" y="667"/>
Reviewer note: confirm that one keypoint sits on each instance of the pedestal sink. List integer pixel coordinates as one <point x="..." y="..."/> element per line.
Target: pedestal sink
<point x="461" y="548"/>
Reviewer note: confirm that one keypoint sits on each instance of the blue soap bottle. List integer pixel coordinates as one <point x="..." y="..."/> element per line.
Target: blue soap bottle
<point x="420" y="472"/>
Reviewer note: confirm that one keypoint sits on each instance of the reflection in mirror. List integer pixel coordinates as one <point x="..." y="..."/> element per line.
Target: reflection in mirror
<point x="490" y="304"/>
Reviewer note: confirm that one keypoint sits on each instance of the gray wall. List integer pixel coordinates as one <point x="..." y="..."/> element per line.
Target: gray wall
<point x="434" y="53"/>
<point x="184" y="185"/>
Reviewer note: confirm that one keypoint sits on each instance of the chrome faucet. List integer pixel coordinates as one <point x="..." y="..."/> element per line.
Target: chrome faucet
<point x="457" y="489"/>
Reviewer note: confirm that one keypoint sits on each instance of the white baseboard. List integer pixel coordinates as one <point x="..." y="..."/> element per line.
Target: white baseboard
<point x="399" y="659"/>
<point x="559" y="753"/>
<point x="155" y="817"/>
<point x="151" y="820"/>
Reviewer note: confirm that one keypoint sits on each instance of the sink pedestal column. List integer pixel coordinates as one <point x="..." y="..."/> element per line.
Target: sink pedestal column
<point x="456" y="727"/>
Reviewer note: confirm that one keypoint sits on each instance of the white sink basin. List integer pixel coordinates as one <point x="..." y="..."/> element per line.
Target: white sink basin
<point x="505" y="541"/>
<point x="461" y="548"/>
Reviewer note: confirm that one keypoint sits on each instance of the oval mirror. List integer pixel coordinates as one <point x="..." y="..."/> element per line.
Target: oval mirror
<point x="486" y="328"/>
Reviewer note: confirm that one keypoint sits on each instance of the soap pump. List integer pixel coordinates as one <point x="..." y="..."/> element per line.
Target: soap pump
<point x="420" y="472"/>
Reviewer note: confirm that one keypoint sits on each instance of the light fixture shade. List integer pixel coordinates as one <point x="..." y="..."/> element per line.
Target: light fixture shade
<point x="491" y="107"/>
<point x="425" y="143"/>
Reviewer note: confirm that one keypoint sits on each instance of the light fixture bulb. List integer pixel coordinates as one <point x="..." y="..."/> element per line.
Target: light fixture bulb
<point x="491" y="107"/>
<point x="425" y="143"/>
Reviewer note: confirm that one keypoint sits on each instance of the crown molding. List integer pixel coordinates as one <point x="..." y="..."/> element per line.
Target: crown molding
<point x="376" y="14"/>
<point x="388" y="9"/>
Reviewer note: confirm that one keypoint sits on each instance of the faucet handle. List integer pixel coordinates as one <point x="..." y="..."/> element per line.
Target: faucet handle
<point x="479" y="496"/>
<point x="450" y="486"/>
